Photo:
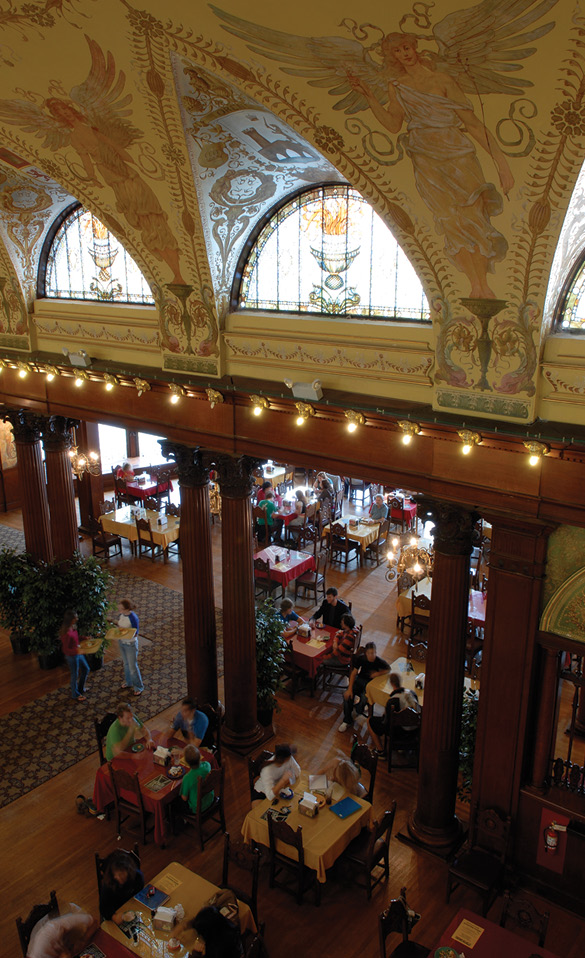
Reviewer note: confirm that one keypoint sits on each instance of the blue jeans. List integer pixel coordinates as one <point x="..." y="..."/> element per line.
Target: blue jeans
<point x="129" y="653"/>
<point x="79" y="670"/>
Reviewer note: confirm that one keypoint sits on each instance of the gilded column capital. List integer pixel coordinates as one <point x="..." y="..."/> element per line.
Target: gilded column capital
<point x="192" y="465"/>
<point x="26" y="425"/>
<point x="56" y="433"/>
<point x="454" y="525"/>
<point x="235" y="473"/>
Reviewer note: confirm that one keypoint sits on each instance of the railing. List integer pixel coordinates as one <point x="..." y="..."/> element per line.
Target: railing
<point x="568" y="775"/>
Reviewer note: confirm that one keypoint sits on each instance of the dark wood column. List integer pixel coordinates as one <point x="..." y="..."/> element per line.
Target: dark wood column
<point x="433" y="822"/>
<point x="27" y="427"/>
<point x="517" y="558"/>
<point x="90" y="489"/>
<point x="198" y="594"/>
<point x="241" y="729"/>
<point x="57" y="441"/>
<point x="548" y="685"/>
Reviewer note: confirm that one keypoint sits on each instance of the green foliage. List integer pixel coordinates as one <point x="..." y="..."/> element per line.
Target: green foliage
<point x="16" y="569"/>
<point x="270" y="649"/>
<point x="467" y="745"/>
<point x="90" y="586"/>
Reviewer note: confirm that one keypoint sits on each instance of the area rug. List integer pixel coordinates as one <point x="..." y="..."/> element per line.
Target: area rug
<point x="59" y="731"/>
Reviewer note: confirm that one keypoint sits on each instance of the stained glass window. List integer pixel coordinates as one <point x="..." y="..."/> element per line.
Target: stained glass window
<point x="86" y="261"/>
<point x="572" y="315"/>
<point x="327" y="251"/>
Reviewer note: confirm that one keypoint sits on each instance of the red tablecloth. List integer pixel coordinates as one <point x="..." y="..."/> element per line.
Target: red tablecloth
<point x="286" y="517"/>
<point x="406" y="513"/>
<point x="287" y="570"/>
<point x="494" y="940"/>
<point x="142" y="490"/>
<point x="142" y="762"/>
<point x="306" y="656"/>
<point x="476" y="607"/>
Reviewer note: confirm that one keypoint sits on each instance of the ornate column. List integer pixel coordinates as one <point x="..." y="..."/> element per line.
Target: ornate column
<point x="90" y="489"/>
<point x="433" y="822"/>
<point x="198" y="594"/>
<point x="241" y="730"/>
<point x="26" y="427"/>
<point x="57" y="441"/>
<point x="548" y="686"/>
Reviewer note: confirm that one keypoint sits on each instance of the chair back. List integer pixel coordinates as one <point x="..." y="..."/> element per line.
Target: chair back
<point x="144" y="531"/>
<point x="383" y="531"/>
<point x="262" y="569"/>
<point x="420" y="602"/>
<point x="246" y="858"/>
<point x="395" y="503"/>
<point x="380" y="834"/>
<point x="254" y="947"/>
<point x="366" y="758"/>
<point x="397" y="919"/>
<point x="213" y="782"/>
<point x="173" y="510"/>
<point x="311" y="511"/>
<point x="212" y="737"/>
<point x="108" y="505"/>
<point x="258" y="513"/>
<point x="102" y="727"/>
<point x="338" y="511"/>
<point x="24" y="926"/>
<point x="151" y="503"/>
<point x="404" y="582"/>
<point x="255" y="767"/>
<point x="490" y="832"/>
<point x="521" y="913"/>
<point x="282" y="832"/>
<point x="124" y="781"/>
<point x="100" y="863"/>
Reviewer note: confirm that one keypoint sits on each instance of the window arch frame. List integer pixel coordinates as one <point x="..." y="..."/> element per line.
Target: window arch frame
<point x="578" y="265"/>
<point x="253" y="236"/>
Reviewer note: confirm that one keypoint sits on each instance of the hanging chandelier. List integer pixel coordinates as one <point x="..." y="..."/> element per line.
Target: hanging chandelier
<point x="412" y="558"/>
<point x="82" y="462"/>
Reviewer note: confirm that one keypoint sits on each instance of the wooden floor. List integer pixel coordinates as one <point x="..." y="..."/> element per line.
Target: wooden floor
<point x="47" y="845"/>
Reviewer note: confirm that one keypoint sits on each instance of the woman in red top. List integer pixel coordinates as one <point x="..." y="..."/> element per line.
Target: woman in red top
<point x="75" y="659"/>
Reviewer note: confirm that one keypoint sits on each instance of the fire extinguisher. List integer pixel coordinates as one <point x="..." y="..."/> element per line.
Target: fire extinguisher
<point x="551" y="838"/>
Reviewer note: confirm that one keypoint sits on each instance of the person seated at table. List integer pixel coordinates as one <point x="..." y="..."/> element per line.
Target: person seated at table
<point x="62" y="937"/>
<point x="324" y="479"/>
<point x="121" y="880"/>
<point x="125" y="471"/>
<point x="266" y="524"/>
<point x="341" y="651"/>
<point x="342" y="770"/>
<point x="190" y="722"/>
<point x="300" y="507"/>
<point x="399" y="698"/>
<point x="198" y="770"/>
<point x="366" y="666"/>
<point x="264" y="488"/>
<point x="331" y="610"/>
<point x="290" y="618"/>
<point x="217" y="936"/>
<point x="277" y="773"/>
<point x="124" y="730"/>
<point x="379" y="509"/>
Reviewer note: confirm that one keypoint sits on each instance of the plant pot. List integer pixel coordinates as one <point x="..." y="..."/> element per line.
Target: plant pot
<point x="19" y="643"/>
<point x="94" y="660"/>
<point x="50" y="660"/>
<point x="265" y="717"/>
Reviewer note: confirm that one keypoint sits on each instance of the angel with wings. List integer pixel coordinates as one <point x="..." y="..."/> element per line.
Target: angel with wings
<point x="428" y="92"/>
<point x="94" y="123"/>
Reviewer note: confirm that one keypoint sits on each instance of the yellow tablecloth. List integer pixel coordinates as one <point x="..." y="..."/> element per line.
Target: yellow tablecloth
<point x="276" y="476"/>
<point x="379" y="689"/>
<point x="121" y="523"/>
<point x="365" y="534"/>
<point x="404" y="600"/>
<point x="324" y="837"/>
<point x="184" y="887"/>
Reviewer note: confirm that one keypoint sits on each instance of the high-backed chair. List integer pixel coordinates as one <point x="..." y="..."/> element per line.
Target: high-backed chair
<point x="151" y="503"/>
<point x="100" y="864"/>
<point x="301" y="877"/>
<point x="396" y="919"/>
<point x="340" y="545"/>
<point x="369" y="851"/>
<point x="213" y="782"/>
<point x="24" y="926"/>
<point x="245" y="858"/>
<point x="403" y="583"/>
<point x="171" y="509"/>
<point x="375" y="548"/>
<point x="314" y="581"/>
<point x="123" y="496"/>
<point x="296" y="534"/>
<point x="420" y="613"/>
<point x="255" y="767"/>
<point x="328" y="669"/>
<point x="102" y="727"/>
<point x="521" y="913"/>
<point x="124" y="783"/>
<point x="108" y="505"/>
<point x="146" y="539"/>
<point x="261" y="528"/>
<point x="102" y="542"/>
<point x="366" y="758"/>
<point x="403" y="734"/>
<point x="264" y="584"/>
<point x="212" y="737"/>
<point x="481" y="862"/>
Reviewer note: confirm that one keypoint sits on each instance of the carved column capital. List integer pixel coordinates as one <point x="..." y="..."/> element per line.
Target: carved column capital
<point x="454" y="526"/>
<point x="56" y="432"/>
<point x="26" y="425"/>
<point x="236" y="480"/>
<point x="192" y="465"/>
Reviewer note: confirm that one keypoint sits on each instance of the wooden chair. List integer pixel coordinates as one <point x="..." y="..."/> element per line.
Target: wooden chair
<point x="523" y="914"/>
<point x="212" y="737"/>
<point x="24" y="926"/>
<point x="340" y="545"/>
<point x="329" y="669"/>
<point x="289" y="477"/>
<point x="481" y="862"/>
<point x="108" y="505"/>
<point x="123" y="497"/>
<point x="338" y="504"/>
<point x="314" y="581"/>
<point x="215" y="813"/>
<point x="100" y="864"/>
<point x="365" y="757"/>
<point x="261" y="530"/>
<point x="102" y="727"/>
<point x="419" y="618"/>
<point x="125" y="782"/>
<point x="361" y="486"/>
<point x="294" y="674"/>
<point x="263" y="583"/>
<point x="163" y="486"/>
<point x="397" y="920"/>
<point x="375" y="548"/>
<point x="151" y="503"/>
<point x="102" y="542"/>
<point x="396" y="504"/>
<point x="313" y="535"/>
<point x="173" y="510"/>
<point x="296" y="534"/>
<point x="370" y="850"/>
<point x="255" y="767"/>
<point x="254" y="946"/>
<point x="403" y="583"/>
<point x="403" y="735"/>
<point x="146" y="539"/>
<point x="247" y="859"/>
<point x="301" y="877"/>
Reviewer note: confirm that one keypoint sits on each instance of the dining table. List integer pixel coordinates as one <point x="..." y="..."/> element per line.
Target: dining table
<point x="308" y="652"/>
<point x="473" y="936"/>
<point x="150" y="776"/>
<point x="287" y="511"/>
<point x="286" y="565"/>
<point x="273" y="474"/>
<point x="405" y="513"/>
<point x="378" y="690"/>
<point x="475" y="609"/>
<point x="122" y="522"/>
<point x="325" y="836"/>
<point x="184" y="887"/>
<point x="362" y="531"/>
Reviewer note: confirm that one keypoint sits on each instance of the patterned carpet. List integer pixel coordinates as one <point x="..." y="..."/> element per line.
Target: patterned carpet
<point x="60" y="732"/>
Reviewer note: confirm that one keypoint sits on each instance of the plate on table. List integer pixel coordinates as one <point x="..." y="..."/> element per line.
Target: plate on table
<point x="445" y="951"/>
<point x="137" y="747"/>
<point x="175" y="771"/>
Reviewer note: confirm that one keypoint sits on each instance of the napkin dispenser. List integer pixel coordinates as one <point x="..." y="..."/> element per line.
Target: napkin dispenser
<point x="161" y="755"/>
<point x="164" y="919"/>
<point x="308" y="805"/>
<point x="304" y="630"/>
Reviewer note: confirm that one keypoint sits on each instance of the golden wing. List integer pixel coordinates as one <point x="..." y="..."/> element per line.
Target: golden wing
<point x="323" y="61"/>
<point x="101" y="96"/>
<point x="32" y="119"/>
<point x="482" y="45"/>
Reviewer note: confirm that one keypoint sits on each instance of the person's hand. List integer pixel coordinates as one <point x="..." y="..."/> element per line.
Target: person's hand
<point x="150" y="744"/>
<point x="347" y="694"/>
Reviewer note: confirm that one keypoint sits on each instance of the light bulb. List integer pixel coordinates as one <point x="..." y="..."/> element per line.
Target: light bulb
<point x="257" y="410"/>
<point x="351" y="427"/>
<point x="390" y="556"/>
<point x="174" y="399"/>
<point x="79" y="381"/>
<point x="300" y="420"/>
<point x="466" y="449"/>
<point x="109" y="387"/>
<point x="417" y="568"/>
<point x="413" y="541"/>
<point x="407" y="439"/>
<point x="395" y="543"/>
<point x="22" y="373"/>
<point x="93" y="456"/>
<point x="534" y="460"/>
<point x="50" y="377"/>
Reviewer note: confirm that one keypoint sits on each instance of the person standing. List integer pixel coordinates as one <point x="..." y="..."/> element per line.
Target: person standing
<point x="75" y="659"/>
<point x="129" y="648"/>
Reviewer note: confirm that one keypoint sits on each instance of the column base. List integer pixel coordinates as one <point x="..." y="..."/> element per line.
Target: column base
<point x="440" y="842"/>
<point x="242" y="743"/>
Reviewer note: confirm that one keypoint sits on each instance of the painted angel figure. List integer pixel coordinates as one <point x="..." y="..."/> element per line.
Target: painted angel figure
<point x="428" y="91"/>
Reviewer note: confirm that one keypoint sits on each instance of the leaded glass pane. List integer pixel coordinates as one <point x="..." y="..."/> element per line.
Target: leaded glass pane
<point x="327" y="251"/>
<point x="573" y="316"/>
<point x="87" y="262"/>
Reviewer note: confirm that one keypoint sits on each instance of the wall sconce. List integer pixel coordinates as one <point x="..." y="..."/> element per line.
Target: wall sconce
<point x="142" y="385"/>
<point x="50" y="372"/>
<point x="305" y="411"/>
<point x="111" y="381"/>
<point x="259" y="404"/>
<point x="81" y="463"/>
<point x="80" y="377"/>
<point x="537" y="450"/>
<point x="23" y="369"/>
<point x="214" y="397"/>
<point x="177" y="392"/>
<point x="409" y="429"/>
<point x="469" y="440"/>
<point x="354" y="419"/>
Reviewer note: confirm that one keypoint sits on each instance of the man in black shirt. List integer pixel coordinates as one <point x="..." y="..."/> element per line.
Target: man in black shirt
<point x="366" y="667"/>
<point x="332" y="609"/>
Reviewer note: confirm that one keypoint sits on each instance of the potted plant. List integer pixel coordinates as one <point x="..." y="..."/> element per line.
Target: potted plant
<point x="89" y="586"/>
<point x="467" y="745"/>
<point x="15" y="570"/>
<point x="270" y="650"/>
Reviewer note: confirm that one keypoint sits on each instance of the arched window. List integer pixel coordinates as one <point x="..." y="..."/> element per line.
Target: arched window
<point x="571" y="310"/>
<point x="327" y="251"/>
<point x="83" y="260"/>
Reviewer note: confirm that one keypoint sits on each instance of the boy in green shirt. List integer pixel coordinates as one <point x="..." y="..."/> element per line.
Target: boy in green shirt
<point x="198" y="771"/>
<point x="123" y="731"/>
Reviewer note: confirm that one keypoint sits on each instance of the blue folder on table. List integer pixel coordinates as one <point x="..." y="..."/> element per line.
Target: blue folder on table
<point x="345" y="807"/>
<point x="151" y="897"/>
